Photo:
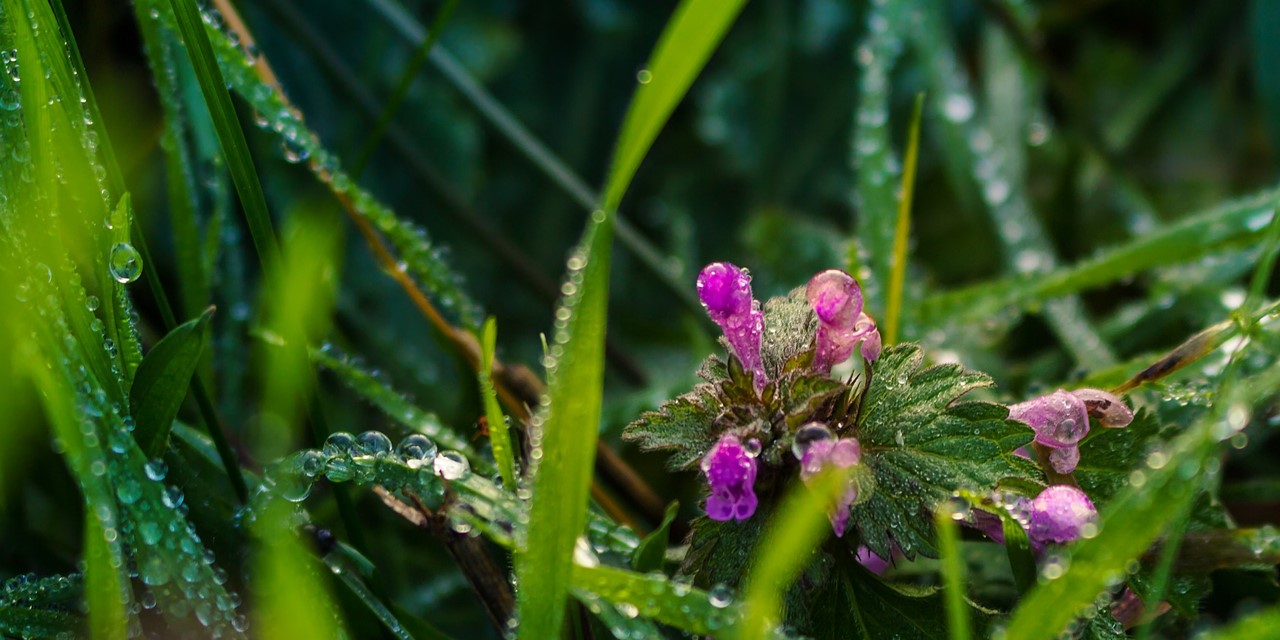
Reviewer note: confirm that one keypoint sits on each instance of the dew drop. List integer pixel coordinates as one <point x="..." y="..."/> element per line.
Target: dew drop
<point x="720" y="596"/>
<point x="124" y="264"/>
<point x="452" y="465"/>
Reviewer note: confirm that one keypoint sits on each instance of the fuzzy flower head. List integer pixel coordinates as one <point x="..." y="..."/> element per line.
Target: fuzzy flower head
<point x="731" y="472"/>
<point x="1061" y="421"/>
<point x="837" y="301"/>
<point x="725" y="292"/>
<point x="818" y="449"/>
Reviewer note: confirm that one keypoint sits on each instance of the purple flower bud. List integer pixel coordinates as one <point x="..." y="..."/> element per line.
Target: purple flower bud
<point x="835" y="298"/>
<point x="866" y="330"/>
<point x="1109" y="410"/>
<point x="1059" y="514"/>
<point x="837" y="301"/>
<point x="1059" y="419"/>
<point x="731" y="472"/>
<point x="725" y="291"/>
<point x="871" y="561"/>
<point x="838" y="453"/>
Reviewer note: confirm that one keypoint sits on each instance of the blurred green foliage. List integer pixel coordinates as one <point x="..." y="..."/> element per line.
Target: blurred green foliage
<point x="1113" y="119"/>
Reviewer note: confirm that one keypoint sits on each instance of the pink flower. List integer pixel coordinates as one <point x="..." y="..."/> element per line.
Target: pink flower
<point x="1058" y="515"/>
<point x="725" y="292"/>
<point x="731" y="472"/>
<point x="817" y="453"/>
<point x="837" y="301"/>
<point x="1061" y="421"/>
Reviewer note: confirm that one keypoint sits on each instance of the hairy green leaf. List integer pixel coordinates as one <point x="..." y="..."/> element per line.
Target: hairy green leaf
<point x="922" y="445"/>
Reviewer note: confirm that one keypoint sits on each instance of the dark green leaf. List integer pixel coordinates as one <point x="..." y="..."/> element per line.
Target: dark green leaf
<point x="860" y="604"/>
<point x="162" y="381"/>
<point x="922" y="446"/>
<point x="651" y="552"/>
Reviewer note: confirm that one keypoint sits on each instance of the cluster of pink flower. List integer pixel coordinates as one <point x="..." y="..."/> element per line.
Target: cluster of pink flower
<point x="731" y="466"/>
<point x="1060" y="420"/>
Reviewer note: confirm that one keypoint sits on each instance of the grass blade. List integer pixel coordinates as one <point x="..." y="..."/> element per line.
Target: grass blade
<point x="565" y="434"/>
<point x="657" y="597"/>
<point x="686" y="43"/>
<point x="499" y="435"/>
<point x="902" y="233"/>
<point x="230" y="135"/>
<point x="786" y="548"/>
<point x="1231" y="225"/>
<point x="944" y="520"/>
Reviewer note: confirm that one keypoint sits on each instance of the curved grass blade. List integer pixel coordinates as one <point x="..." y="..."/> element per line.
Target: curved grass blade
<point x="1232" y="225"/>
<point x="652" y="551"/>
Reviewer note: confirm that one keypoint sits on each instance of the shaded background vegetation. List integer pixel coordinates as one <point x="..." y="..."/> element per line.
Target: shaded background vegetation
<point x="1122" y="116"/>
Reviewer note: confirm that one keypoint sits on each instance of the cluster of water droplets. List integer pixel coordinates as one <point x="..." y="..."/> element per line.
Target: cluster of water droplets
<point x="374" y="387"/>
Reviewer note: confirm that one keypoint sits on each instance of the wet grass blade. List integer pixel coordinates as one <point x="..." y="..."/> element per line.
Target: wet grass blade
<point x="499" y="435"/>
<point x="565" y="434"/>
<point x="1224" y="227"/>
<point x="230" y="134"/>
<point x="657" y="597"/>
<point x="786" y="549"/>
<point x="568" y="429"/>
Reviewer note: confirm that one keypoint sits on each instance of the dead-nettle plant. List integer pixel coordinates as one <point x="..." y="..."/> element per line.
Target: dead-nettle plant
<point x="808" y="385"/>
